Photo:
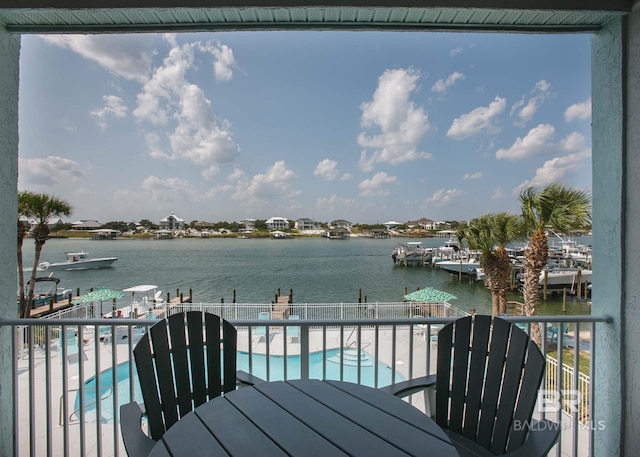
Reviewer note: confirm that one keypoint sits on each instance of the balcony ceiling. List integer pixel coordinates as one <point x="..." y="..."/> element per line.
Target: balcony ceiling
<point x="82" y="16"/>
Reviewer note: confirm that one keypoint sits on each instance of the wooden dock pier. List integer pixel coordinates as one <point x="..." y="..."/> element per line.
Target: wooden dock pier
<point x="280" y="306"/>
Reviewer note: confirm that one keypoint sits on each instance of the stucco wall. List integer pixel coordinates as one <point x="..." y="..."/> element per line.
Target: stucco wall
<point x="9" y="52"/>
<point x="631" y="317"/>
<point x="616" y="209"/>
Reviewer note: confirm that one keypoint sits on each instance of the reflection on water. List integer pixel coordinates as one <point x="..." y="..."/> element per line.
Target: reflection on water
<point x="318" y="270"/>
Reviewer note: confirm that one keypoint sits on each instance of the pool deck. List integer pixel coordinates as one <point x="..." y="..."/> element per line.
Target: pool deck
<point x="96" y="356"/>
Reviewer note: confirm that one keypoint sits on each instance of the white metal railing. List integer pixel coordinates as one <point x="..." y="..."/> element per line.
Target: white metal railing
<point x="68" y="391"/>
<point x="580" y="399"/>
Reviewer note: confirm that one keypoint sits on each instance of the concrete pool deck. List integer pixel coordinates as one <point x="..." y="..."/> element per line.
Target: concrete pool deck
<point x="49" y="368"/>
<point x="406" y="349"/>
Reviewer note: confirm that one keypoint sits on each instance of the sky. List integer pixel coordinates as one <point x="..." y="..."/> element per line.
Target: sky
<point x="364" y="126"/>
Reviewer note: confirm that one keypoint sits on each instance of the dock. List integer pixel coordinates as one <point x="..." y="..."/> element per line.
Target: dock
<point x="280" y="308"/>
<point x="57" y="306"/>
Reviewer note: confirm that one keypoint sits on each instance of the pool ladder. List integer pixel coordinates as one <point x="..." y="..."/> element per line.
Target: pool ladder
<point x="75" y="412"/>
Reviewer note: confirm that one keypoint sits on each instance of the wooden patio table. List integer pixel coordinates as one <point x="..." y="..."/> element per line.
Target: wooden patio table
<point x="305" y="418"/>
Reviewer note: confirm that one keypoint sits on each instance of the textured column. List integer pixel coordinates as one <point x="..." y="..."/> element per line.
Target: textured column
<point x="616" y="241"/>
<point x="9" y="55"/>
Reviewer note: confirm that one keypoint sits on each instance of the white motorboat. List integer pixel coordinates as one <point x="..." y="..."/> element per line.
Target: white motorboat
<point x="459" y="266"/>
<point x="448" y="251"/>
<point x="565" y="277"/>
<point x="78" y="261"/>
<point x="559" y="277"/>
<point x="411" y="252"/>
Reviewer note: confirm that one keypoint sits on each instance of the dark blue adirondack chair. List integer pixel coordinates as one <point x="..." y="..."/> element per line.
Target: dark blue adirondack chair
<point x="486" y="386"/>
<point x="182" y="362"/>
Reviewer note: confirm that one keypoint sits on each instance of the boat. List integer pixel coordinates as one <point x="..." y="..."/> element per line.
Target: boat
<point x="411" y="252"/>
<point x="459" y="266"/>
<point x="78" y="261"/>
<point x="557" y="276"/>
<point x="278" y="235"/>
<point x="50" y="292"/>
<point x="448" y="251"/>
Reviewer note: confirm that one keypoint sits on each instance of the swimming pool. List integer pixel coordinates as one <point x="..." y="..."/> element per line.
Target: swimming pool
<point x="317" y="365"/>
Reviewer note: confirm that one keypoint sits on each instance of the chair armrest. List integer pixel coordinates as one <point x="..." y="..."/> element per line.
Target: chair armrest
<point x="406" y="388"/>
<point x="541" y="438"/>
<point x="246" y="379"/>
<point x="135" y="441"/>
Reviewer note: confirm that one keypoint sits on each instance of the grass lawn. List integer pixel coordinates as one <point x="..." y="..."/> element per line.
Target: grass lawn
<point x="568" y="359"/>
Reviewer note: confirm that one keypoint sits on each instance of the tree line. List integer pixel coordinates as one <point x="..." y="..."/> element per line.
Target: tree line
<point x="560" y="208"/>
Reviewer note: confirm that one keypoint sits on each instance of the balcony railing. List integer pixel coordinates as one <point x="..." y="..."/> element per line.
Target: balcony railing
<point x="71" y="374"/>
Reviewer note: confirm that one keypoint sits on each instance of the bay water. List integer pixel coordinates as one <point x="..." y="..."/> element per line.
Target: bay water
<point x="318" y="270"/>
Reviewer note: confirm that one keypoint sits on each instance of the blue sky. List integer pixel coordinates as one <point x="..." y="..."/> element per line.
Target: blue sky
<point x="363" y="126"/>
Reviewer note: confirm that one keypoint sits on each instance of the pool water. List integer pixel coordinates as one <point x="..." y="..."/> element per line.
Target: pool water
<point x="319" y="368"/>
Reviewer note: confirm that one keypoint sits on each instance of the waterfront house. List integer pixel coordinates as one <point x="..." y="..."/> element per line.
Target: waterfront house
<point x="614" y="26"/>
<point x="423" y="223"/>
<point x="86" y="225"/>
<point x="203" y="225"/>
<point x="249" y="226"/>
<point x="307" y="224"/>
<point x="277" y="223"/>
<point x="172" y="222"/>
<point x="341" y="223"/>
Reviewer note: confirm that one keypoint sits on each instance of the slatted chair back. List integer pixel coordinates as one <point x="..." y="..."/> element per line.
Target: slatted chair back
<point x="489" y="373"/>
<point x="182" y="362"/>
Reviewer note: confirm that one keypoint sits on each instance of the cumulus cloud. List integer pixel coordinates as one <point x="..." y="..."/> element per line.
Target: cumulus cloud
<point x="575" y="152"/>
<point x="577" y="111"/>
<point x="377" y="185"/>
<point x="398" y="125"/>
<point x="49" y="171"/>
<point x="476" y="175"/>
<point x="127" y="56"/>
<point x="525" y="109"/>
<point x="455" y="51"/>
<point x="443" y="197"/>
<point x="536" y="142"/>
<point x="166" y="189"/>
<point x="171" y="192"/>
<point x="327" y="169"/>
<point x="479" y="120"/>
<point x="442" y="85"/>
<point x="497" y="194"/>
<point x="113" y="107"/>
<point x="333" y="203"/>
<point x="275" y="187"/>
<point x="210" y="172"/>
<point x="169" y="100"/>
<point x="276" y="182"/>
<point x="223" y="62"/>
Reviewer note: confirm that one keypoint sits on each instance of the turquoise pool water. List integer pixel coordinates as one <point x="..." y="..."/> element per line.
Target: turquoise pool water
<point x="318" y="369"/>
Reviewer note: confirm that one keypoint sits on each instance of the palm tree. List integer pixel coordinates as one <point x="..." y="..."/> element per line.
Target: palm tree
<point x="40" y="207"/>
<point x="560" y="208"/>
<point x="22" y="232"/>
<point x="489" y="234"/>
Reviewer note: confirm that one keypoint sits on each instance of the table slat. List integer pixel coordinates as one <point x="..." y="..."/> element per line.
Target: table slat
<point x="295" y="437"/>
<point x="389" y="404"/>
<point x="190" y="437"/>
<point x="237" y="434"/>
<point x="368" y="415"/>
<point x="342" y="432"/>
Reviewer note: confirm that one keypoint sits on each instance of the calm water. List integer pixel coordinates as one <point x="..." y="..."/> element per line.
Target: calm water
<point x="317" y="269"/>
